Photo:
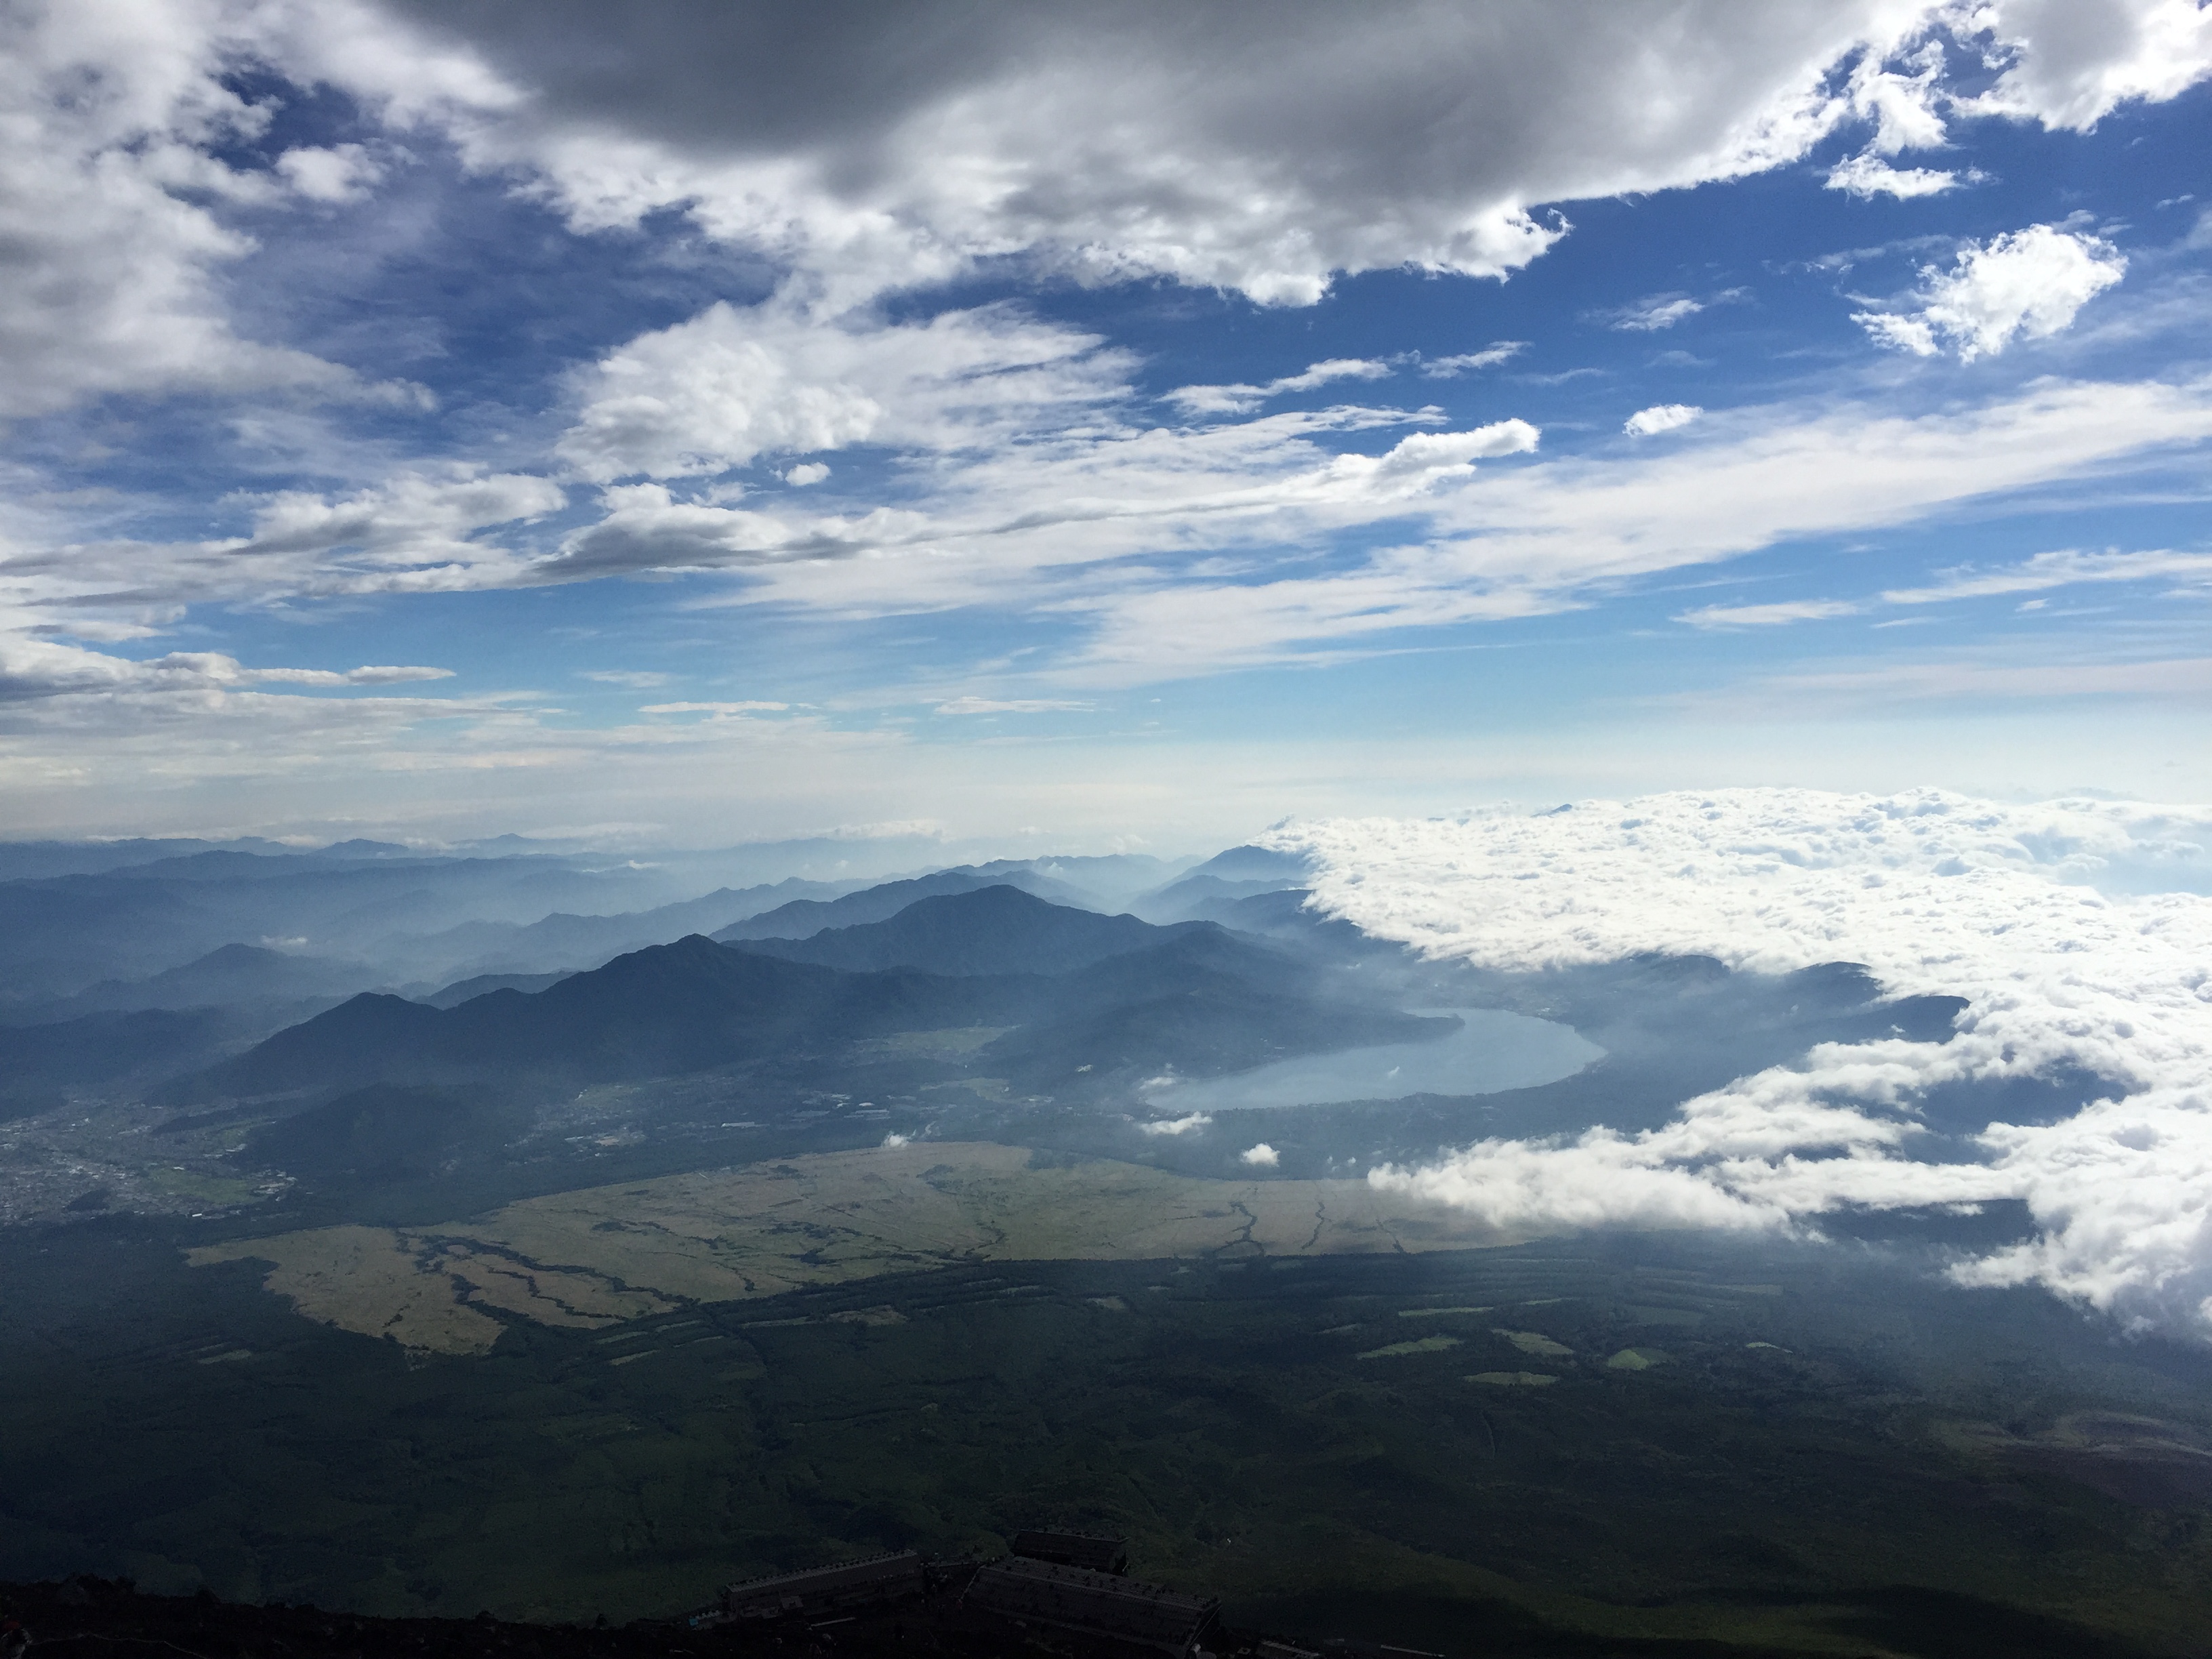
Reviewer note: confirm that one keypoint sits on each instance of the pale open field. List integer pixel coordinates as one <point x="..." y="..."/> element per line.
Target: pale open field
<point x="603" y="1254"/>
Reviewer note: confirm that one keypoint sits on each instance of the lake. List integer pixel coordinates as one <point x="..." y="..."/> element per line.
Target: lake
<point x="1492" y="1050"/>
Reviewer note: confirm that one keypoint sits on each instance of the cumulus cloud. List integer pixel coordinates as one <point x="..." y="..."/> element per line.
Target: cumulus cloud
<point x="1262" y="1154"/>
<point x="1660" y="417"/>
<point x="1175" y="1126"/>
<point x="1413" y="464"/>
<point x="1144" y="140"/>
<point x="729" y="385"/>
<point x="112" y="227"/>
<point x="337" y="172"/>
<point x="1138" y="141"/>
<point x="806" y="473"/>
<point x="2071" y="63"/>
<point x="1111" y="144"/>
<point x="1868" y="176"/>
<point x="2071" y="928"/>
<point x="2025" y="284"/>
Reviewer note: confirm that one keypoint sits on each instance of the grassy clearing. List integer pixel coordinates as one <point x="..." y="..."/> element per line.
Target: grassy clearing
<point x="603" y="1254"/>
<point x="951" y="1044"/>
<point x="1419" y="1345"/>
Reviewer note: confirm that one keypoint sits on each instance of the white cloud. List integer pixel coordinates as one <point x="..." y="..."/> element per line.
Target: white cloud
<point x="1660" y="311"/>
<point x="1416" y="463"/>
<point x="1175" y="1126"/>
<point x="1951" y="686"/>
<point x="417" y="532"/>
<point x="1075" y="137"/>
<point x="1497" y="352"/>
<point x="1766" y="615"/>
<point x="1868" y="176"/>
<point x="35" y="668"/>
<point x="112" y="199"/>
<point x="1262" y="1154"/>
<point x="1660" y="417"/>
<point x="1242" y="399"/>
<point x="635" y="679"/>
<point x="1901" y="96"/>
<point x="806" y="473"/>
<point x="370" y="676"/>
<point x="2069" y="927"/>
<point x="865" y="159"/>
<point x="1013" y="706"/>
<point x="747" y="708"/>
<point x="2062" y="568"/>
<point x="340" y="173"/>
<point x="730" y="385"/>
<point x="1523" y="541"/>
<point x="2073" y="62"/>
<point x="2026" y="284"/>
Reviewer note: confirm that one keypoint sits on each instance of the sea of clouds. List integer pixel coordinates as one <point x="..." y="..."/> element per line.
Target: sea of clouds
<point x="2079" y="930"/>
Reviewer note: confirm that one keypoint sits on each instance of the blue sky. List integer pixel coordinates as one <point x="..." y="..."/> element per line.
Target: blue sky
<point x="438" y="421"/>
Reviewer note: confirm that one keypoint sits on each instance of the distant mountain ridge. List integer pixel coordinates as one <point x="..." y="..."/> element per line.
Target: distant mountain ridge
<point x="226" y="976"/>
<point x="1125" y="994"/>
<point x="665" y="1009"/>
<point x="803" y="918"/>
<point x="1205" y="891"/>
<point x="990" y="930"/>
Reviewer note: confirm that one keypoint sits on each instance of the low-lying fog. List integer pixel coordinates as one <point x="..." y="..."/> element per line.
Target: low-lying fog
<point x="1491" y="1051"/>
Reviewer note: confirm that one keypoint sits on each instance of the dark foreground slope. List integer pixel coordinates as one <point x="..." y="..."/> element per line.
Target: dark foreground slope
<point x="1739" y="1449"/>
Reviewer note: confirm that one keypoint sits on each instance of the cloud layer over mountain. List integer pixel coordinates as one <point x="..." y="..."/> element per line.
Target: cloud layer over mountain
<point x="2081" y="933"/>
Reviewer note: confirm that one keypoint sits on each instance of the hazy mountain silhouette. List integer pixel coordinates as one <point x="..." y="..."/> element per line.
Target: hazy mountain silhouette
<point x="1202" y="1002"/>
<point x="668" y="1009"/>
<point x="230" y="975"/>
<point x="564" y="943"/>
<point x="465" y="990"/>
<point x="1241" y="873"/>
<point x="1199" y="999"/>
<point x="992" y="930"/>
<point x="803" y="918"/>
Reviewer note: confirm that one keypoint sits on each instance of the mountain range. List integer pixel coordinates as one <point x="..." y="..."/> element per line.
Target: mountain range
<point x="1080" y="992"/>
